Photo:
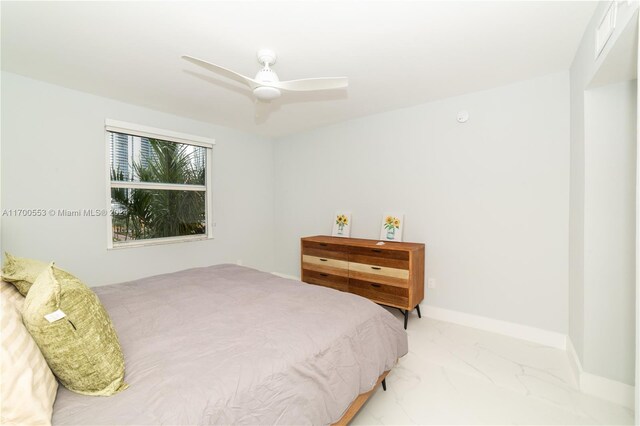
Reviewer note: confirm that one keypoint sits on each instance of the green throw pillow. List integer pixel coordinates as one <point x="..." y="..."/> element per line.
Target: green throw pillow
<point x="21" y="272"/>
<point x="78" y="340"/>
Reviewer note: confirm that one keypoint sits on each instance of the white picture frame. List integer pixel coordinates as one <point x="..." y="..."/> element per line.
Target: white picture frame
<point x="341" y="224"/>
<point x="392" y="225"/>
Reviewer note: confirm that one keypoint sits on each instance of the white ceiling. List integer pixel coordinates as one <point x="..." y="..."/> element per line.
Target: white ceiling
<point x="395" y="53"/>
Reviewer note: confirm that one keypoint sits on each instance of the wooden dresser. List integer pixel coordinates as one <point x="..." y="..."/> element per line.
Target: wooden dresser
<point x="391" y="274"/>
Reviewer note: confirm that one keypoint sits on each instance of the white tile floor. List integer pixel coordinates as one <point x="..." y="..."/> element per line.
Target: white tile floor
<point x="459" y="375"/>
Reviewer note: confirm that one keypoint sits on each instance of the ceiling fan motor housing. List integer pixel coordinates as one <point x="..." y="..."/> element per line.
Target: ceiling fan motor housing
<point x="266" y="75"/>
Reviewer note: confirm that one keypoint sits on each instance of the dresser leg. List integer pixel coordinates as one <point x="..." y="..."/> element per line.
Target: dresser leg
<point x="406" y="318"/>
<point x="418" y="309"/>
<point x="384" y="384"/>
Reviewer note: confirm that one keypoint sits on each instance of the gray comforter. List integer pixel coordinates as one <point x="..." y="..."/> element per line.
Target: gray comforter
<point x="231" y="345"/>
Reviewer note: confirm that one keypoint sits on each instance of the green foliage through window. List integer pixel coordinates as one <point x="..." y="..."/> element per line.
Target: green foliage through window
<point x="145" y="213"/>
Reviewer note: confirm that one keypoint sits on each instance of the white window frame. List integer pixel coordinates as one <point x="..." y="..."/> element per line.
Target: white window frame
<point x="165" y="135"/>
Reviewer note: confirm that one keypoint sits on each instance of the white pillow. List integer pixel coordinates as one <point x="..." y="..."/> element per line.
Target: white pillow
<point x="27" y="385"/>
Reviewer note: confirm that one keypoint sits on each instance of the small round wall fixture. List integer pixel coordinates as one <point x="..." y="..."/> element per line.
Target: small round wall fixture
<point x="463" y="116"/>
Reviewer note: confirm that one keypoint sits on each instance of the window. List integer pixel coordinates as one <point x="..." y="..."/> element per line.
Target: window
<point x="159" y="185"/>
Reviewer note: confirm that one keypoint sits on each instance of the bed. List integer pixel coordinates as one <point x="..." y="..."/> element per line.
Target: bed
<point x="232" y="345"/>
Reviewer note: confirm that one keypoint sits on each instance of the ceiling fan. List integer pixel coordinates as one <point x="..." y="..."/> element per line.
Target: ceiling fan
<point x="266" y="85"/>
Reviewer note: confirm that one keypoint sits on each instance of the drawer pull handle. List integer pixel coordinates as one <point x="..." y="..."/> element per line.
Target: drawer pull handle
<point x="376" y="251"/>
<point x="324" y="275"/>
<point x="323" y="260"/>
<point x="377" y="268"/>
<point x="323" y="244"/>
<point x="375" y="285"/>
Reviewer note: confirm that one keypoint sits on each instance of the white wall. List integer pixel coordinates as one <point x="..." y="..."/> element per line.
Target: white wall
<point x="576" y="205"/>
<point x="488" y="197"/>
<point x="609" y="231"/>
<point x="602" y="344"/>
<point x="53" y="156"/>
<point x="637" y="321"/>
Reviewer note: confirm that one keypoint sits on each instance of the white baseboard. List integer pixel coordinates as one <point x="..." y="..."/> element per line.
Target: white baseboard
<point x="574" y="361"/>
<point x="592" y="384"/>
<point x="601" y="387"/>
<point x="611" y="390"/>
<point x="291" y="277"/>
<point x="524" y="332"/>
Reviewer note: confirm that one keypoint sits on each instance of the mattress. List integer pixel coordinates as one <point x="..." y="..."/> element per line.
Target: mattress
<point x="232" y="345"/>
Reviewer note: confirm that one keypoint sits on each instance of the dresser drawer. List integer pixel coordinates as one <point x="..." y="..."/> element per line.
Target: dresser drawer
<point x="380" y="293"/>
<point x="380" y="253"/>
<point x="325" y="254"/>
<point x="334" y="251"/>
<point x="379" y="274"/>
<point x="379" y="261"/>
<point x="326" y="280"/>
<point x="326" y="265"/>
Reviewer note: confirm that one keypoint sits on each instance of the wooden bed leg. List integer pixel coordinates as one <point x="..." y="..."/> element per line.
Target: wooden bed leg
<point x="418" y="309"/>
<point x="384" y="384"/>
<point x="406" y="318"/>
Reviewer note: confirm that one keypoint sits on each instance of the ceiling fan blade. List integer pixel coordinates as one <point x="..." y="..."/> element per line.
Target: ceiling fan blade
<point x="223" y="71"/>
<point x="311" y="84"/>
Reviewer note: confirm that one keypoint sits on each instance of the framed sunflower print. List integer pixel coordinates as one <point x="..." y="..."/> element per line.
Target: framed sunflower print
<point x="392" y="224"/>
<point x="341" y="224"/>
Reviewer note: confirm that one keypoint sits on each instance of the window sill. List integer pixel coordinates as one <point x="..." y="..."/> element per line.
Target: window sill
<point x="157" y="241"/>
